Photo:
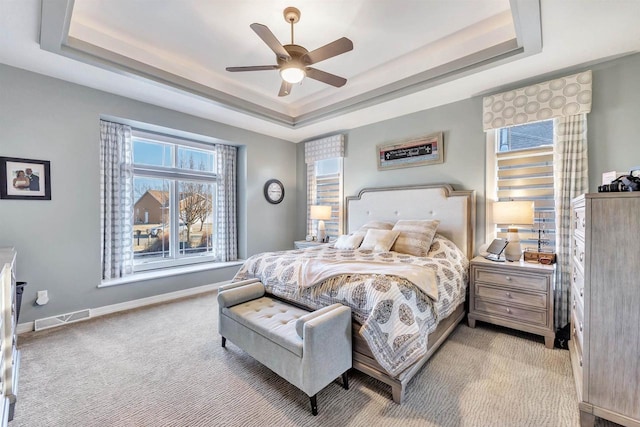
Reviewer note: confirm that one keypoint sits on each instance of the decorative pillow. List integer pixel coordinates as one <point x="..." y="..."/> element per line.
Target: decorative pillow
<point x="379" y="240"/>
<point x="349" y="241"/>
<point x="376" y="225"/>
<point x="415" y="236"/>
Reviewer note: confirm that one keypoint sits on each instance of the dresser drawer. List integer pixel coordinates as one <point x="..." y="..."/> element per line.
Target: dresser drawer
<point x="579" y="220"/>
<point x="522" y="315"/>
<point x="578" y="251"/>
<point x="577" y="284"/>
<point x="531" y="281"/>
<point x="509" y="296"/>
<point x="577" y="326"/>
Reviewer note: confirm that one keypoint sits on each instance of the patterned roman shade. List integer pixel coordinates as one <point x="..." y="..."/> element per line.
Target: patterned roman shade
<point x="566" y="96"/>
<point x="325" y="148"/>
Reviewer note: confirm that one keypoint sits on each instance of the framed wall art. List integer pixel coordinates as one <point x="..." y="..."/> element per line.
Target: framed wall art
<point x="24" y="179"/>
<point x="426" y="150"/>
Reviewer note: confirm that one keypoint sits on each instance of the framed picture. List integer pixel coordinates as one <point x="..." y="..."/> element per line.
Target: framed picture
<point x="426" y="150"/>
<point x="24" y="179"/>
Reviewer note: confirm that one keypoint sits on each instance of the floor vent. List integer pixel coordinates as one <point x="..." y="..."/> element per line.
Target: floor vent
<point x="63" y="319"/>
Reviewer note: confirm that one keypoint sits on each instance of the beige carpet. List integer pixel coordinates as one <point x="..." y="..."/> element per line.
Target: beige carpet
<point x="163" y="366"/>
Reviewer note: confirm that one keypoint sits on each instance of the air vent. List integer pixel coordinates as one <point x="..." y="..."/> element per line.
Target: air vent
<point x="63" y="319"/>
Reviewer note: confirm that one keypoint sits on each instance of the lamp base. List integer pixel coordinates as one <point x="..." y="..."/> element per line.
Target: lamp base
<point x="513" y="251"/>
<point x="322" y="235"/>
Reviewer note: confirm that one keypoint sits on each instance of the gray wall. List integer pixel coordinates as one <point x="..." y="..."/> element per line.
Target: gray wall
<point x="58" y="241"/>
<point x="613" y="129"/>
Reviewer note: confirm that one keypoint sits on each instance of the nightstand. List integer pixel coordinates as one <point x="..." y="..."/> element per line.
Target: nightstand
<point x="517" y="295"/>
<point x="303" y="244"/>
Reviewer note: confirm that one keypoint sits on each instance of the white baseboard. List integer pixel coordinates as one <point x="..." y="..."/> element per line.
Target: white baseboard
<point x="142" y="302"/>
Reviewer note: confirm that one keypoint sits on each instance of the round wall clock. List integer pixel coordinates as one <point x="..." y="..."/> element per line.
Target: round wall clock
<point x="274" y="191"/>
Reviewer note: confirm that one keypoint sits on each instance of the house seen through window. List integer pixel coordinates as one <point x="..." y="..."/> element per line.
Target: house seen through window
<point x="524" y="171"/>
<point x="174" y="188"/>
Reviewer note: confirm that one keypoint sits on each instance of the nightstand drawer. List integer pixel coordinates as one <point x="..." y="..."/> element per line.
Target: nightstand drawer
<point x="531" y="281"/>
<point x="522" y="315"/>
<point x="510" y="296"/>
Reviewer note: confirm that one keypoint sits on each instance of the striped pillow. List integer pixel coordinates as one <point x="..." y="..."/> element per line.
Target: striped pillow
<point x="415" y="236"/>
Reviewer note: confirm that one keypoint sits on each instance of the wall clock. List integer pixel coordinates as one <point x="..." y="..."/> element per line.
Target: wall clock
<point x="274" y="191"/>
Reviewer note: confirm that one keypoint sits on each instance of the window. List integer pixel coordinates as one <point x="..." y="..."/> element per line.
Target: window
<point x="174" y="185"/>
<point x="520" y="167"/>
<point x="328" y="191"/>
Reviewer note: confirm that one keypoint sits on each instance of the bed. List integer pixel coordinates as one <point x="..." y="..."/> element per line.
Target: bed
<point x="404" y="306"/>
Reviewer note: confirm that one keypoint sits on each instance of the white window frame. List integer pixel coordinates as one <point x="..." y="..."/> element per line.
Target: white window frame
<point x="312" y="197"/>
<point x="175" y="174"/>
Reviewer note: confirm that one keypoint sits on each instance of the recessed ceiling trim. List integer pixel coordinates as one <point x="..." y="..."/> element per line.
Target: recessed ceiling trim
<point x="56" y="17"/>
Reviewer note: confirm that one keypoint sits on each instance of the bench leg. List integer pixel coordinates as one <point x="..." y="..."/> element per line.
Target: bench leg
<point x="345" y="380"/>
<point x="314" y="405"/>
<point x="224" y="342"/>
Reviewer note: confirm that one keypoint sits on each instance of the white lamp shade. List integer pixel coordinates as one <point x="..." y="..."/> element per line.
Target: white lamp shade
<point x="520" y="212"/>
<point x="320" y="212"/>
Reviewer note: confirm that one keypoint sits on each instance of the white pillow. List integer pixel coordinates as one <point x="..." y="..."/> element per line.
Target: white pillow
<point x="349" y="241"/>
<point x="379" y="240"/>
<point x="415" y="236"/>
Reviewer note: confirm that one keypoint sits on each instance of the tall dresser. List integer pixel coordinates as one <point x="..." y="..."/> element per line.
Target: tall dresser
<point x="605" y="300"/>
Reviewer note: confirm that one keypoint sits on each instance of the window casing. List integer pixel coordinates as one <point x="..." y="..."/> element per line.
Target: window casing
<point x="520" y="167"/>
<point x="175" y="187"/>
<point x="325" y="188"/>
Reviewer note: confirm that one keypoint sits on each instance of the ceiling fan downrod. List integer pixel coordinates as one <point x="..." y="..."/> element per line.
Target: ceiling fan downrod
<point x="292" y="16"/>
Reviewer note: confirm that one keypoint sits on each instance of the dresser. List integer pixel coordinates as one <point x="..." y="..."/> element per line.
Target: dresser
<point x="605" y="306"/>
<point x="10" y="356"/>
<point x="518" y="295"/>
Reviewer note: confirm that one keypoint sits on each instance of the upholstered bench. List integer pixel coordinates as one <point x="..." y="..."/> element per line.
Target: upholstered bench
<point x="308" y="349"/>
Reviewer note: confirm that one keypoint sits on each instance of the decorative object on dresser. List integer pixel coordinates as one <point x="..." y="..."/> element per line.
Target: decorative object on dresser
<point x="513" y="213"/>
<point x="605" y="296"/>
<point x="321" y="213"/>
<point x="10" y="355"/>
<point x="517" y="295"/>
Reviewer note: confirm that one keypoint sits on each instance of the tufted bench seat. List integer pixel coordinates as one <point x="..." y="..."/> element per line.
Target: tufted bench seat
<point x="308" y="349"/>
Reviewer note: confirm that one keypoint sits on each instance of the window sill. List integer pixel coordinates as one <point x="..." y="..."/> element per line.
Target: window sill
<point x="168" y="272"/>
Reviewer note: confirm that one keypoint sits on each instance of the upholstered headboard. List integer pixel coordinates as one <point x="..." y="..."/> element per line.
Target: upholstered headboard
<point x="456" y="210"/>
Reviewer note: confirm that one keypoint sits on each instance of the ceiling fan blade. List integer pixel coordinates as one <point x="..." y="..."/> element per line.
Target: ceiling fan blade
<point x="285" y="88"/>
<point x="324" y="77"/>
<point x="267" y="36"/>
<point x="253" y="68"/>
<point x="328" y="51"/>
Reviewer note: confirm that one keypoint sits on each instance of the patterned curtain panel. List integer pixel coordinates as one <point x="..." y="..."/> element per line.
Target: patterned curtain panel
<point x="566" y="96"/>
<point x="226" y="218"/>
<point x="319" y="149"/>
<point x="570" y="169"/>
<point x="116" y="200"/>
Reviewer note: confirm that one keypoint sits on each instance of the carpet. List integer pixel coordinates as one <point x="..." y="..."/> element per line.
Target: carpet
<point x="163" y="366"/>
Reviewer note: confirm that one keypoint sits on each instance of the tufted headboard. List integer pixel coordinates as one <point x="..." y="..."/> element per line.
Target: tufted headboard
<point x="456" y="210"/>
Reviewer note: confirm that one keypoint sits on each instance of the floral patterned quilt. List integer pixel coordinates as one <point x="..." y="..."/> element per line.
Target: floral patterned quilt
<point x="396" y="316"/>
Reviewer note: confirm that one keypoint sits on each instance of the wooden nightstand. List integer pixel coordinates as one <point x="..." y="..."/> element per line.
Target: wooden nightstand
<point x="303" y="244"/>
<point x="517" y="295"/>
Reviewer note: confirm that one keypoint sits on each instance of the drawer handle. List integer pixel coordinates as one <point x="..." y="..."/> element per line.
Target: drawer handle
<point x="581" y="362"/>
<point x="584" y="222"/>
<point x="508" y="294"/>
<point x="508" y="278"/>
<point x="575" y="333"/>
<point x="581" y="292"/>
<point x="581" y="256"/>
<point x="575" y="278"/>
<point x="509" y="310"/>
<point x="574" y="304"/>
<point x="580" y="326"/>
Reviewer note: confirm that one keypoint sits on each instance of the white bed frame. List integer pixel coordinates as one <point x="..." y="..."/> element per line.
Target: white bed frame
<point x="456" y="212"/>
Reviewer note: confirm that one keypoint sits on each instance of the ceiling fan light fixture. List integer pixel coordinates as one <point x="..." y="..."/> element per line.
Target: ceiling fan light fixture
<point x="292" y="75"/>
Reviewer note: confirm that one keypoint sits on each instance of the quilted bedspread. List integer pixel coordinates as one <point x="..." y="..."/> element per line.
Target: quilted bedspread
<point x="396" y="316"/>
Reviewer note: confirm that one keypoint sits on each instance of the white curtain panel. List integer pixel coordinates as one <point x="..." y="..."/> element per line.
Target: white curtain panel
<point x="566" y="96"/>
<point x="226" y="202"/>
<point x="571" y="179"/>
<point x="116" y="200"/>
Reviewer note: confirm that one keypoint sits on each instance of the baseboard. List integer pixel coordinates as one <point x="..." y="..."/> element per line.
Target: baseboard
<point x="142" y="302"/>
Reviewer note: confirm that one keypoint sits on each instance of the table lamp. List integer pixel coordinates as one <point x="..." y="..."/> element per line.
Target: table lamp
<point x="321" y="213"/>
<point x="514" y="212"/>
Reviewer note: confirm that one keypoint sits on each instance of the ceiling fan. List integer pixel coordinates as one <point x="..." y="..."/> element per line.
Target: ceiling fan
<point x="294" y="60"/>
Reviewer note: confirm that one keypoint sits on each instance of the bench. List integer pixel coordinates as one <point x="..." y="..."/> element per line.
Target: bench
<point x="308" y="349"/>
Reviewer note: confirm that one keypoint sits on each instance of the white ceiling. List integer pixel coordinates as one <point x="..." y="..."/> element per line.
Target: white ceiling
<point x="409" y="55"/>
